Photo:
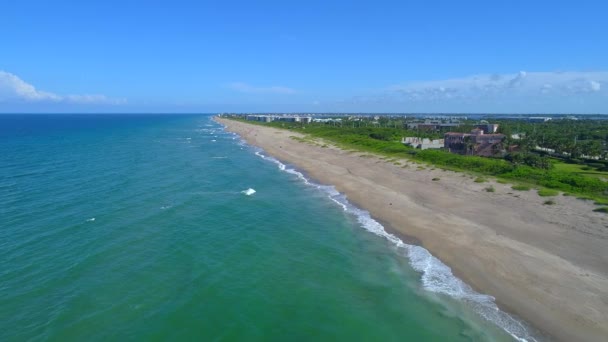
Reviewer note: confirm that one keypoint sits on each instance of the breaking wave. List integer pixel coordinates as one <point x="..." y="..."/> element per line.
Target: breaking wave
<point x="436" y="277"/>
<point x="248" y="192"/>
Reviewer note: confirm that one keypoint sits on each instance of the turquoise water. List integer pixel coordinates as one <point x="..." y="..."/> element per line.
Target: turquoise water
<point x="135" y="227"/>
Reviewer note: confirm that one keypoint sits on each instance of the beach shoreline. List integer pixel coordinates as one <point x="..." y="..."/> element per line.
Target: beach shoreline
<point x="545" y="264"/>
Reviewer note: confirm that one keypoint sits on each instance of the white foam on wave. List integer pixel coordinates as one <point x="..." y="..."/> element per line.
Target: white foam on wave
<point x="91" y="219"/>
<point x="436" y="277"/>
<point x="248" y="192"/>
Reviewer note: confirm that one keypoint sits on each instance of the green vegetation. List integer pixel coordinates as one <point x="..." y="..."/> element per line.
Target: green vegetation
<point x="528" y="167"/>
<point x="582" y="169"/>
<point x="569" y="138"/>
<point x="480" y="180"/>
<point x="549" y="202"/>
<point x="490" y="189"/>
<point x="520" y="187"/>
<point x="547" y="192"/>
<point x="601" y="210"/>
<point x="436" y="179"/>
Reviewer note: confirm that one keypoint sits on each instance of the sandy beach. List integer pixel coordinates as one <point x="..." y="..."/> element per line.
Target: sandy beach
<point x="547" y="264"/>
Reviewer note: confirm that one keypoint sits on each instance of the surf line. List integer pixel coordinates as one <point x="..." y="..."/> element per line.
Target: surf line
<point x="436" y="276"/>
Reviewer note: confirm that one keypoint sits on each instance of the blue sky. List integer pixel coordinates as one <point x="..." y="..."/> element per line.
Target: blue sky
<point x="295" y="56"/>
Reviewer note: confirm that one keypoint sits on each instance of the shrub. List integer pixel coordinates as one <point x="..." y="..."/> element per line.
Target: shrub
<point x="601" y="210"/>
<point x="480" y="180"/>
<point x="435" y="179"/>
<point x="469" y="163"/>
<point x="490" y="189"/>
<point x="596" y="165"/>
<point x="549" y="202"/>
<point x="520" y="187"/>
<point x="547" y="192"/>
<point x="380" y="136"/>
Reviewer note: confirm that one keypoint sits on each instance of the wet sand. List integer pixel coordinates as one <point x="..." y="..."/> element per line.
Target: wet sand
<point x="547" y="264"/>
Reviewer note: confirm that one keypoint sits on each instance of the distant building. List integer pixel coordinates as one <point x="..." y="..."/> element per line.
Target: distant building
<point x="327" y="120"/>
<point x="432" y="125"/>
<point x="488" y="128"/>
<point x="539" y="119"/>
<point x="263" y="118"/>
<point x="423" y="143"/>
<point x="475" y="143"/>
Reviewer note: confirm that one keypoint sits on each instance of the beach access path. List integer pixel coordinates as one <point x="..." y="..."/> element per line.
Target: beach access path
<point x="547" y="264"/>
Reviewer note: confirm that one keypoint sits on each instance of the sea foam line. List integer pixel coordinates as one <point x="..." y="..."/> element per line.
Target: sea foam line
<point x="437" y="277"/>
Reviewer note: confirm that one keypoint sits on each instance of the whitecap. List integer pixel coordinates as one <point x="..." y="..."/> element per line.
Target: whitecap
<point x="248" y="192"/>
<point x="91" y="219"/>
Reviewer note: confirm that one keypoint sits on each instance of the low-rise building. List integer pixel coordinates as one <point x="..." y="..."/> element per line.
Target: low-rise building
<point x="474" y="143"/>
<point x="488" y="128"/>
<point x="263" y="118"/>
<point x="423" y="143"/>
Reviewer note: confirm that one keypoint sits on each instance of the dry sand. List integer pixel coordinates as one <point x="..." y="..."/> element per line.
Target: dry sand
<point x="547" y="264"/>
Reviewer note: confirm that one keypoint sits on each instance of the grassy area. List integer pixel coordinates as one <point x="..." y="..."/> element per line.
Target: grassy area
<point x="570" y="178"/>
<point x="547" y="192"/>
<point x="480" y="180"/>
<point x="579" y="169"/>
<point x="520" y="187"/>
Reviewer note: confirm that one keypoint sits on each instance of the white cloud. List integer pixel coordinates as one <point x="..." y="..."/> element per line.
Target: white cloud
<point x="521" y="84"/>
<point x="93" y="99"/>
<point x="595" y="86"/>
<point x="13" y="88"/>
<point x="518" y="92"/>
<point x="247" y="88"/>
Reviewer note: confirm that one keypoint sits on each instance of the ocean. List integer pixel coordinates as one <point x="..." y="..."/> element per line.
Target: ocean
<point x="167" y="227"/>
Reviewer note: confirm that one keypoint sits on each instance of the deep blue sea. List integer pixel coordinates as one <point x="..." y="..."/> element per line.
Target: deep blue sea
<point x="146" y="227"/>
